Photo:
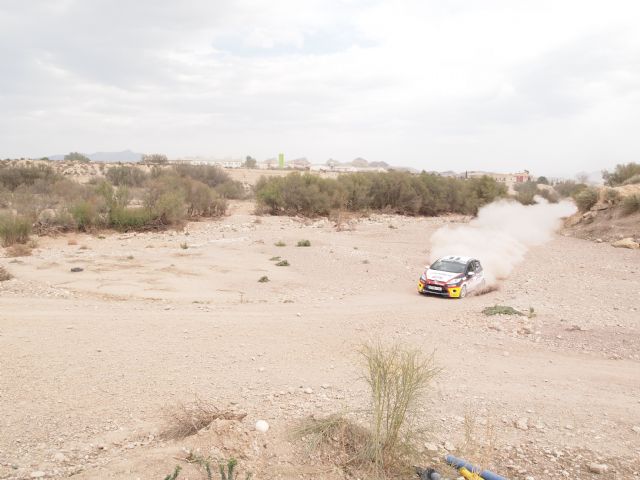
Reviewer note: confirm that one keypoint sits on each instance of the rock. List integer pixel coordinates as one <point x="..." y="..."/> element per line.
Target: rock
<point x="308" y="390"/>
<point x="598" y="468"/>
<point x="262" y="426"/>
<point x="59" y="457"/>
<point x="626" y="243"/>
<point x="636" y="428"/>
<point x="450" y="447"/>
<point x="38" y="474"/>
<point x="522" y="423"/>
<point x="431" y="447"/>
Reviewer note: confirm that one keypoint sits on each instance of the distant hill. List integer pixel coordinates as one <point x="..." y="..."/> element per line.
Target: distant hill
<point x="124" y="156"/>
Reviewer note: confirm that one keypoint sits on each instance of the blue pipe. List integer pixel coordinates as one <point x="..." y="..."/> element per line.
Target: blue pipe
<point x="459" y="463"/>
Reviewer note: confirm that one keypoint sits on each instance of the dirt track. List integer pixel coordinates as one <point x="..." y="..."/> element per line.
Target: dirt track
<point x="90" y="359"/>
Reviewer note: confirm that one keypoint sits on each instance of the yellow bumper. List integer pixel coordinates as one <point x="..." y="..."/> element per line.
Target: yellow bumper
<point x="454" y="292"/>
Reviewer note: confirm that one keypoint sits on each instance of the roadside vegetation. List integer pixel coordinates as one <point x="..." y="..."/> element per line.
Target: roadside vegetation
<point x="586" y="198"/>
<point x="394" y="192"/>
<point x="381" y="440"/>
<point x="623" y="174"/>
<point x="36" y="198"/>
<point x="631" y="204"/>
<point x="526" y="193"/>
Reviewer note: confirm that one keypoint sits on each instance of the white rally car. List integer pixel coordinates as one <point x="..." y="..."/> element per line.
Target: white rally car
<point x="452" y="276"/>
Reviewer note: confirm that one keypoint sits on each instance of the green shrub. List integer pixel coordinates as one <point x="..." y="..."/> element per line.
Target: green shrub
<point x="231" y="189"/>
<point x="525" y="192"/>
<point x="210" y="175"/>
<point x="586" y="198"/>
<point x="203" y="201"/>
<point x="280" y="243"/>
<point x="174" y="475"/>
<point x="126" y="176"/>
<point x="282" y="263"/>
<point x="631" y="204"/>
<point x="14" y="229"/>
<point x="501" y="310"/>
<point x="304" y="243"/>
<point x="125" y="219"/>
<point x="85" y="215"/>
<point x="263" y="279"/>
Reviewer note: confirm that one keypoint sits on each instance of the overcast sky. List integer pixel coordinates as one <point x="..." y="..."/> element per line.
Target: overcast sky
<point x="552" y="86"/>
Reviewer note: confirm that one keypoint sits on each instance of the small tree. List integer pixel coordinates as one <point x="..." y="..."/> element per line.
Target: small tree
<point x="250" y="162"/>
<point x="77" y="157"/>
<point x="543" y="180"/>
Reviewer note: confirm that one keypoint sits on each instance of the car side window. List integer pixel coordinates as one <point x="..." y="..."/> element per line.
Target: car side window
<point x="478" y="266"/>
<point x="471" y="267"/>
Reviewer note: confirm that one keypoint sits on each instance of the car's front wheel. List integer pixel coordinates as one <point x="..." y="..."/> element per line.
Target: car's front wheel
<point x="463" y="291"/>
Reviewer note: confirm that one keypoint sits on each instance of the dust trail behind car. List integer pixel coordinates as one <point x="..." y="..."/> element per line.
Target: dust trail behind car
<point x="501" y="234"/>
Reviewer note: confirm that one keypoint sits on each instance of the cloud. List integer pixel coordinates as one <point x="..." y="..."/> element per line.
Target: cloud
<point x="427" y="84"/>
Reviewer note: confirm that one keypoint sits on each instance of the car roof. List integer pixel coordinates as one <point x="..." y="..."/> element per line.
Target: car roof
<point x="458" y="259"/>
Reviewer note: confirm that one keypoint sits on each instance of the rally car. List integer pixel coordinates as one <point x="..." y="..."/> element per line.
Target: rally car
<point x="452" y="276"/>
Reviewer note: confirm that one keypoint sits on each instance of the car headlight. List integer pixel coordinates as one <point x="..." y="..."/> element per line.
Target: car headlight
<point x="423" y="277"/>
<point x="455" y="281"/>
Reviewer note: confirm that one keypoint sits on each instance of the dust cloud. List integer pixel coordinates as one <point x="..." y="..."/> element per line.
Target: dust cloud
<point x="501" y="234"/>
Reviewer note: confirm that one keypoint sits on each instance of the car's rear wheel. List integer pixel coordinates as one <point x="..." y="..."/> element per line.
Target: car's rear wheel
<point x="463" y="291"/>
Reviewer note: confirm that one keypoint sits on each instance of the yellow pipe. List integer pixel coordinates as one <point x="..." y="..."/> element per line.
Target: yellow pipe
<point x="469" y="475"/>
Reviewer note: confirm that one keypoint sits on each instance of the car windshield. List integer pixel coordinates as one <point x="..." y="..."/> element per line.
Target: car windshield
<point x="448" y="266"/>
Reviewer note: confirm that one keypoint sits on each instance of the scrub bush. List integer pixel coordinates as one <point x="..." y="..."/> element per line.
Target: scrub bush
<point x="586" y="199"/>
<point x="631" y="204"/>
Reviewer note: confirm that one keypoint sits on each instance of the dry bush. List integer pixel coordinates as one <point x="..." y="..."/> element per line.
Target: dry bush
<point x="397" y="377"/>
<point x="19" y="250"/>
<point x="185" y="419"/>
<point x="337" y="438"/>
<point x="480" y="440"/>
<point x="4" y="274"/>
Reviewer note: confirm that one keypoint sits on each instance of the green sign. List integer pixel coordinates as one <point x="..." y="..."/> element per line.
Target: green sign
<point x="281" y="160"/>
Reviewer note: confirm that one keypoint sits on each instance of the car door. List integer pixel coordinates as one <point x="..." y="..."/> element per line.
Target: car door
<point x="479" y="275"/>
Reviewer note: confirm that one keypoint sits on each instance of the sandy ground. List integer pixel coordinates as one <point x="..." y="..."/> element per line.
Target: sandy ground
<point x="89" y="360"/>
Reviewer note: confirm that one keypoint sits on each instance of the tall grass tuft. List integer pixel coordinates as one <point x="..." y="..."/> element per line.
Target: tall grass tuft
<point x="14" y="229"/>
<point x="397" y="378"/>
